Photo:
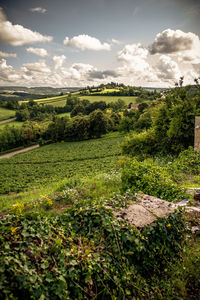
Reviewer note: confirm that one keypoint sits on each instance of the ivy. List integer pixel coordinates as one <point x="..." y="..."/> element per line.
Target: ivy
<point x="84" y="253"/>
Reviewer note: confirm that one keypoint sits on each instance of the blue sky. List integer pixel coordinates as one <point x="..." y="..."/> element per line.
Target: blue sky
<point x="81" y="42"/>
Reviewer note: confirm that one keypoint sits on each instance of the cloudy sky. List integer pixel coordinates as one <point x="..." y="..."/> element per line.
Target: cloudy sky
<point x="87" y="42"/>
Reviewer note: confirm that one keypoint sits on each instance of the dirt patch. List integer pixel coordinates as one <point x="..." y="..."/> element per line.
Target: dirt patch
<point x="19" y="151"/>
<point x="7" y="121"/>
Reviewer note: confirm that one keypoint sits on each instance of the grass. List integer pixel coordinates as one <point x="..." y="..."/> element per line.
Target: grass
<point x="12" y="123"/>
<point x="6" y="113"/>
<point x="108" y="99"/>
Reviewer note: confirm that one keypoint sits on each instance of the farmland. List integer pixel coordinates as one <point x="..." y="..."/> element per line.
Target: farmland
<point x="61" y="100"/>
<point x="108" y="99"/>
<point x="54" y="101"/>
<point x="6" y="113"/>
<point x="57" y="162"/>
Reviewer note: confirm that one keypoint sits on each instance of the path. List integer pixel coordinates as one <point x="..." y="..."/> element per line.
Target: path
<point x="19" y="151"/>
<point x="7" y="121"/>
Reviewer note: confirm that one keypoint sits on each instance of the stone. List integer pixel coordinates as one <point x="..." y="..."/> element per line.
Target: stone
<point x="145" y="211"/>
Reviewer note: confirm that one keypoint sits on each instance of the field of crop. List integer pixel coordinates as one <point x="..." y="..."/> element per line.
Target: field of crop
<point x="6" y="113"/>
<point x="57" y="162"/>
<point x="54" y="101"/>
<point x="108" y="99"/>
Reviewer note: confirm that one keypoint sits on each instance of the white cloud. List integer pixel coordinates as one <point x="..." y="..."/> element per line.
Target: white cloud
<point x="171" y="41"/>
<point x="37" y="67"/>
<point x="167" y="69"/>
<point x="4" y="54"/>
<point x="184" y="46"/>
<point x="17" y="35"/>
<point x="58" y="61"/>
<point x="135" y="64"/>
<point x="132" y="52"/>
<point x="38" y="9"/>
<point x="80" y="70"/>
<point x="7" y="73"/>
<point x="38" y="51"/>
<point x="86" y="42"/>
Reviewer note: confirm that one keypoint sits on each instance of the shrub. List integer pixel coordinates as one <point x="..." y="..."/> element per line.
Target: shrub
<point x="151" y="179"/>
<point x="140" y="144"/>
<point x="188" y="161"/>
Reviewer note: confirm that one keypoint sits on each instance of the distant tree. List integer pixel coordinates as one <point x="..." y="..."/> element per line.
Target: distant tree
<point x="78" y="109"/>
<point x="23" y="115"/>
<point x="98" y="123"/>
<point x="126" y="124"/>
<point x="78" y="129"/>
<point x="95" y="105"/>
<point x="181" y="81"/>
<point x="142" y="107"/>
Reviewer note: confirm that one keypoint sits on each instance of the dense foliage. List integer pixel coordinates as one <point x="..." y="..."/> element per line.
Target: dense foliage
<point x="84" y="253"/>
<point x="188" y="162"/>
<point x="172" y="128"/>
<point x="151" y="179"/>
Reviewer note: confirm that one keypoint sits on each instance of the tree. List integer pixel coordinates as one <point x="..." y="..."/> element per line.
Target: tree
<point x="95" y="105"/>
<point x="79" y="109"/>
<point x="78" y="129"/>
<point x="98" y="123"/>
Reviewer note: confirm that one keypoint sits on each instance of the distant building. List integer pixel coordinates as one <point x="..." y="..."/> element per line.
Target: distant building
<point x="134" y="106"/>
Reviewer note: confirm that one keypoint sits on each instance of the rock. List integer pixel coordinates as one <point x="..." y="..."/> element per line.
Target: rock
<point x="145" y="211"/>
<point x="196" y="230"/>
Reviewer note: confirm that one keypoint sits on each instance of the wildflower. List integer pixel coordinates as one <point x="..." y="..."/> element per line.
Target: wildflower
<point x="17" y="208"/>
<point x="168" y="225"/>
<point x="47" y="201"/>
<point x="13" y="229"/>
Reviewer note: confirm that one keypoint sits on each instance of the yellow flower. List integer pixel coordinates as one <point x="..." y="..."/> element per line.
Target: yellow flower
<point x="47" y="201"/>
<point x="168" y="225"/>
<point x="17" y="208"/>
<point x="13" y="229"/>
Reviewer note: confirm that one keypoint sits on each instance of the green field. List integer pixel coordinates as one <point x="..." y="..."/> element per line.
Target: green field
<point x="11" y="124"/>
<point x="54" y="101"/>
<point x="6" y="113"/>
<point x="108" y="99"/>
<point x="57" y="162"/>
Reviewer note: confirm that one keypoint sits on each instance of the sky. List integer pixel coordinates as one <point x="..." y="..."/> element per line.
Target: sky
<point x="74" y="43"/>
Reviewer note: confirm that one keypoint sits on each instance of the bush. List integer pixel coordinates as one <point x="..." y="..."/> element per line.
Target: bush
<point x="188" y="161"/>
<point x="151" y="179"/>
<point x="142" y="144"/>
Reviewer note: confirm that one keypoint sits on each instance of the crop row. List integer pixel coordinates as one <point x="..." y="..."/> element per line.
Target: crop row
<point x="57" y="162"/>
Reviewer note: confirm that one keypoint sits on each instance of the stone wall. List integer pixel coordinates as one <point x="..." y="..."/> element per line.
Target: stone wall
<point x="197" y="133"/>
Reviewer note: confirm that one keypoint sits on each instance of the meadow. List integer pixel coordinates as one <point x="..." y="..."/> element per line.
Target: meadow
<point x="12" y="123"/>
<point x="59" y="162"/>
<point x="108" y="99"/>
<point x="6" y="113"/>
